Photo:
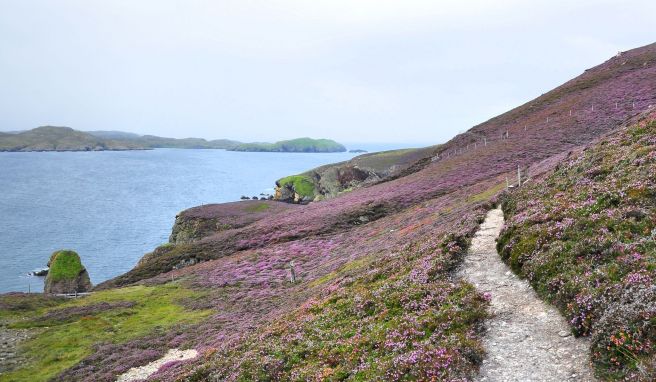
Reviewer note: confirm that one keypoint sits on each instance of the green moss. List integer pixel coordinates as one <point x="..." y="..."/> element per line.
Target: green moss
<point x="64" y="265"/>
<point x="302" y="184"/>
<point x="64" y="344"/>
<point x="486" y="195"/>
<point x="260" y="207"/>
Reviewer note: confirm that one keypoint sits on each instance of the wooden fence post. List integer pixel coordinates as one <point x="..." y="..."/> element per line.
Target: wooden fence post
<point x="292" y="272"/>
<point x="519" y="177"/>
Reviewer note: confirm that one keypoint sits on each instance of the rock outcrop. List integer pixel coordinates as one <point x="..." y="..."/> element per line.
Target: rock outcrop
<point x="202" y="221"/>
<point x="66" y="274"/>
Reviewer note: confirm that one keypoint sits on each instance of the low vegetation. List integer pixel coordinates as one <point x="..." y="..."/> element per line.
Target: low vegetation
<point x="66" y="331"/>
<point x="584" y="237"/>
<point x="64" y="265"/>
<point x="301" y="184"/>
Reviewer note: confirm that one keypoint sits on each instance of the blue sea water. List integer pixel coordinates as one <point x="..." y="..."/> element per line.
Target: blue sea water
<point x="112" y="207"/>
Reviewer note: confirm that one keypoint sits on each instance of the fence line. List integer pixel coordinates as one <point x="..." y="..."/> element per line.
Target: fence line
<point x="505" y="135"/>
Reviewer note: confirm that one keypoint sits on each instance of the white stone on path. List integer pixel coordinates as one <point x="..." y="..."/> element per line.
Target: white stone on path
<point x="143" y="372"/>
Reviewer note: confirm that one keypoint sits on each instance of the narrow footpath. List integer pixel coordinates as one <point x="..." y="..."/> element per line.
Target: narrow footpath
<point x="526" y="339"/>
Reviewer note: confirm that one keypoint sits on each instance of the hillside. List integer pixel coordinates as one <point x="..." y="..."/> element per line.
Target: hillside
<point x="362" y="286"/>
<point x="54" y="138"/>
<point x="299" y="145"/>
<point x="584" y="235"/>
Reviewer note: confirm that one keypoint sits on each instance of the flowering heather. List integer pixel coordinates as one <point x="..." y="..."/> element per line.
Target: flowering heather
<point x="584" y="237"/>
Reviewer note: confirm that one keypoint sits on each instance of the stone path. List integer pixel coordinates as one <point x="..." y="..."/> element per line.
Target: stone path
<point x="526" y="339"/>
<point x="143" y="372"/>
<point x="9" y="340"/>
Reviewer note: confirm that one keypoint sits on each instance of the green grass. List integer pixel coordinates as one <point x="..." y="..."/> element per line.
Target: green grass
<point x="260" y="207"/>
<point x="302" y="184"/>
<point x="64" y="265"/>
<point x="63" y="344"/>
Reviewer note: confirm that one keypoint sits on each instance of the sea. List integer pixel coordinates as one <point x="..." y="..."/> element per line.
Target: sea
<point x="112" y="207"/>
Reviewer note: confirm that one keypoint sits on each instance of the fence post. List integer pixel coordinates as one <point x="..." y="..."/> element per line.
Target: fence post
<point x="485" y="140"/>
<point x="292" y="272"/>
<point x="519" y="177"/>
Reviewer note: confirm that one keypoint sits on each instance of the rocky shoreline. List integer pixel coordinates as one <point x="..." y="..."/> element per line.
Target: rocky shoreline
<point x="10" y="339"/>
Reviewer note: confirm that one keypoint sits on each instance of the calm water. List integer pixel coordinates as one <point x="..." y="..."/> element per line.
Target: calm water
<point x="112" y="207"/>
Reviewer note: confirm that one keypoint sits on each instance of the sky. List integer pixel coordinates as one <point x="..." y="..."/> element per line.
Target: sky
<point x="405" y="71"/>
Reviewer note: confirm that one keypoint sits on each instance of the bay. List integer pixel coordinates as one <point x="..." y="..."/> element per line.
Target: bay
<point x="113" y="207"/>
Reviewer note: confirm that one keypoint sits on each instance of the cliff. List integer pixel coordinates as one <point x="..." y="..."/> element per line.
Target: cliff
<point x="330" y="180"/>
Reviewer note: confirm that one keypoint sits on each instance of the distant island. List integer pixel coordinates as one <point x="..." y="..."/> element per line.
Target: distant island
<point x="57" y="138"/>
<point x="299" y="145"/>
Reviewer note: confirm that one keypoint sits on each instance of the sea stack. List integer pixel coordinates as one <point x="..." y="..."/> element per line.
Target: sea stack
<point x="66" y="274"/>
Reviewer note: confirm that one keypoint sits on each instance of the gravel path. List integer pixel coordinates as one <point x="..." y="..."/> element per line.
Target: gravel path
<point x="526" y="339"/>
<point x="143" y="372"/>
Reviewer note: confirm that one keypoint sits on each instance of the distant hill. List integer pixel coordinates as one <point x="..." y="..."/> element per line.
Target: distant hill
<point x="299" y="145"/>
<point x="113" y="134"/>
<point x="56" y="138"/>
<point x="154" y="142"/>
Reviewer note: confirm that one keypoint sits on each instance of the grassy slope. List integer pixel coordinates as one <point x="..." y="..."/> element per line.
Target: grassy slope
<point x="584" y="237"/>
<point x="66" y="338"/>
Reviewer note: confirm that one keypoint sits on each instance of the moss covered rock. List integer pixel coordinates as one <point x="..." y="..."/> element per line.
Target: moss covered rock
<point x="66" y="274"/>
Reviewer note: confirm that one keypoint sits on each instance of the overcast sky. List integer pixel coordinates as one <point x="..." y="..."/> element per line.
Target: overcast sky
<point x="411" y="71"/>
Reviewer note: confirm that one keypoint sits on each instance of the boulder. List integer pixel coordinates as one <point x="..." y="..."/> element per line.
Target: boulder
<point x="66" y="274"/>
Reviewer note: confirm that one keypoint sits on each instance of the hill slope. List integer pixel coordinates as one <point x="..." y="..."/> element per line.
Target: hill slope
<point x="584" y="236"/>
<point x="373" y="296"/>
<point x="54" y="138"/>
